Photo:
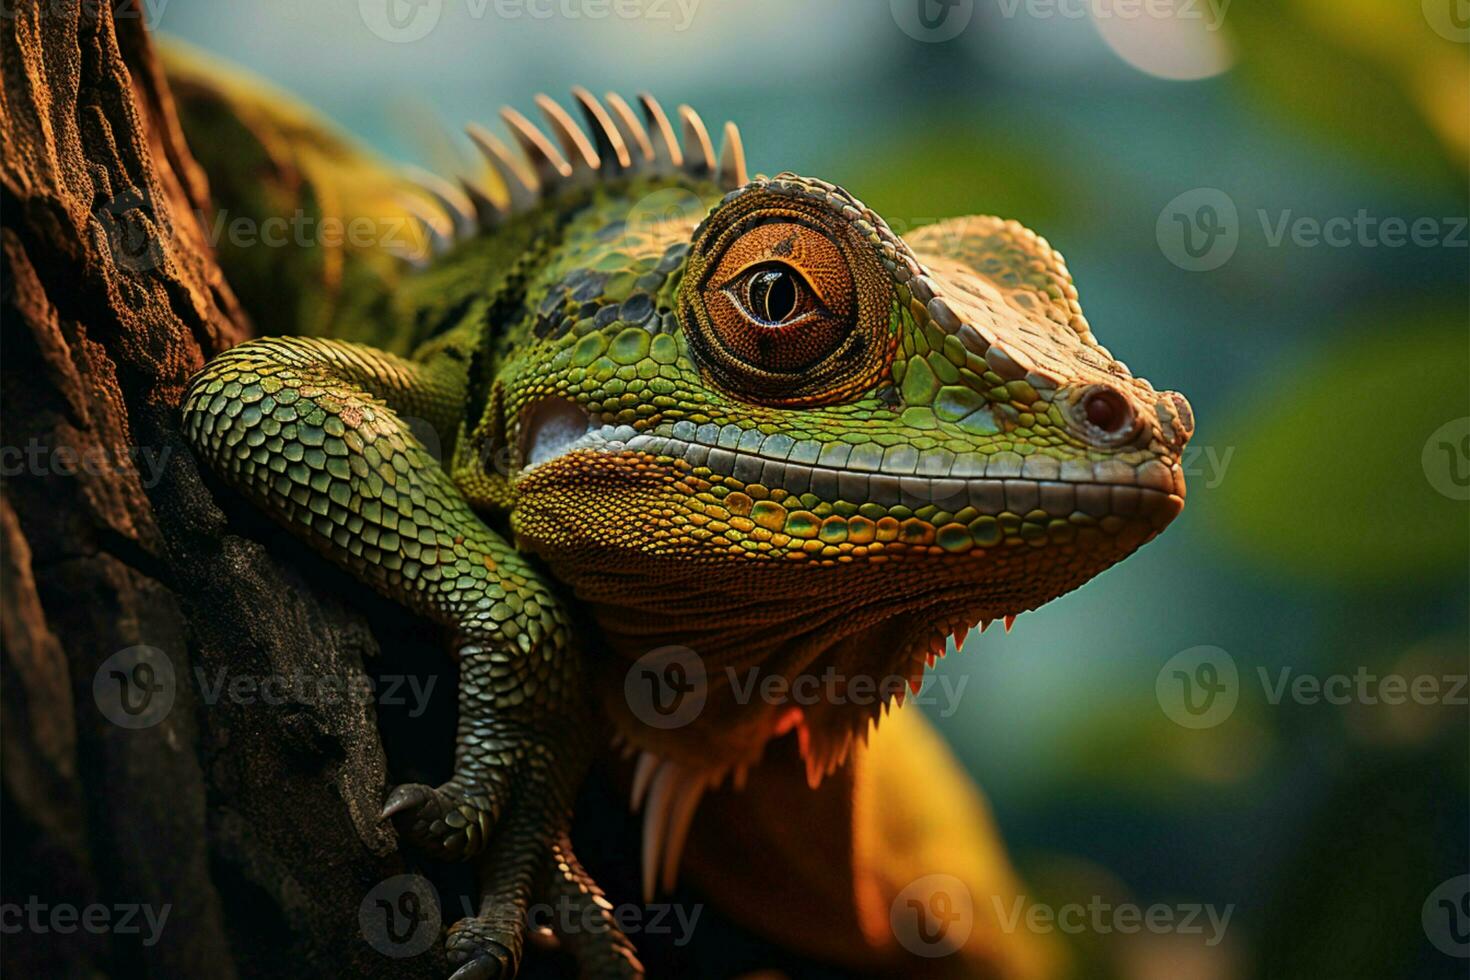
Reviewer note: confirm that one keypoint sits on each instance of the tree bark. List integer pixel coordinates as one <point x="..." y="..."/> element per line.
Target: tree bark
<point x="176" y="742"/>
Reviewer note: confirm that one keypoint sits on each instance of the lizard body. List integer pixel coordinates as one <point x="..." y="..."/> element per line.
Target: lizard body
<point x="739" y="417"/>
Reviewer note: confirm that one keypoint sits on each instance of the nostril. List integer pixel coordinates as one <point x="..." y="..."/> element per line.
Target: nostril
<point x="1108" y="410"/>
<point x="1184" y="414"/>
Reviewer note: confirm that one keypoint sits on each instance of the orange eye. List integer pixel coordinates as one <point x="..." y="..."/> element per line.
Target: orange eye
<point x="779" y="313"/>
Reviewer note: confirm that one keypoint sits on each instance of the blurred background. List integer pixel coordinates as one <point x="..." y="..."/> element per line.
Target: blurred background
<point x="1264" y="206"/>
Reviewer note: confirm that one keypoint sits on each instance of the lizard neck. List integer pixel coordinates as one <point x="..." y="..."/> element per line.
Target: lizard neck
<point x="707" y="679"/>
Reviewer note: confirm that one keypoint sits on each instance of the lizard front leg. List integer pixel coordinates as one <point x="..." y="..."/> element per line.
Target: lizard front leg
<point x="307" y="430"/>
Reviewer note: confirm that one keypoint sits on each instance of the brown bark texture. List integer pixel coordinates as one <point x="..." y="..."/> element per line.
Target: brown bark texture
<point x="190" y="785"/>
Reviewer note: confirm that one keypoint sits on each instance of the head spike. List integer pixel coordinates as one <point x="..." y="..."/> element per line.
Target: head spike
<point x="610" y="146"/>
<point x="546" y="160"/>
<point x="732" y="159"/>
<point x="667" y="157"/>
<point x="435" y="225"/>
<point x="488" y="214"/>
<point x="640" y="150"/>
<point x="414" y="257"/>
<point x="579" y="151"/>
<point x="699" y="155"/>
<point x="520" y="187"/>
<point x="456" y="204"/>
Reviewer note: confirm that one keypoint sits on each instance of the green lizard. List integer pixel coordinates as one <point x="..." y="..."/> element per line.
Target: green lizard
<point x="764" y="428"/>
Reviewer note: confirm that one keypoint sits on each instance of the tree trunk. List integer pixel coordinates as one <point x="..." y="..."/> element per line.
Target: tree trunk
<point x="191" y="779"/>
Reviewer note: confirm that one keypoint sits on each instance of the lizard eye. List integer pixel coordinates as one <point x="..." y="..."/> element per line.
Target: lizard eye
<point x="773" y="295"/>
<point x="788" y="305"/>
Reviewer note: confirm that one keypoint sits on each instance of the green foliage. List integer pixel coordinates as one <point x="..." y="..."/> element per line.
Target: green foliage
<point x="1327" y="482"/>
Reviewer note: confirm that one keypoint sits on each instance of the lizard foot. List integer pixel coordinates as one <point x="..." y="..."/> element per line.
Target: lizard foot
<point x="530" y="888"/>
<point x="450" y="822"/>
<point x="477" y="948"/>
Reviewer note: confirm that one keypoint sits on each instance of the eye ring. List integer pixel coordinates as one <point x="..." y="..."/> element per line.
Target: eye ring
<point x="784" y="302"/>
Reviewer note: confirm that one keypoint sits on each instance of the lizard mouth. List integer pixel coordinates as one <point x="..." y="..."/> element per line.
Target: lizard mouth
<point x="1037" y="489"/>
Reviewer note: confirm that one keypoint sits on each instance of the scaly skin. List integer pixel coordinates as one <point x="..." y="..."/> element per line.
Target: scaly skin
<point x="762" y="427"/>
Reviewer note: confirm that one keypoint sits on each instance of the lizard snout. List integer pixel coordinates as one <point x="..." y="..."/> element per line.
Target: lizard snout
<point x="1176" y="419"/>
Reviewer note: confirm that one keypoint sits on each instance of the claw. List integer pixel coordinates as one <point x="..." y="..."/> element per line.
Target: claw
<point x="479" y="968"/>
<point x="404" y="797"/>
<point x="483" y="958"/>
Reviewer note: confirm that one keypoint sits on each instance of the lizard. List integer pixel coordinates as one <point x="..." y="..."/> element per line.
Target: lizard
<point x="692" y="419"/>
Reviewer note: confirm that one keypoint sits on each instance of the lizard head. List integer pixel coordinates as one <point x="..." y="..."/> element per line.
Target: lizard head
<point x="781" y="436"/>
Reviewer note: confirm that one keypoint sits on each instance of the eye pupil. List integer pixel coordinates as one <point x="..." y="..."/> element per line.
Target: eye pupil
<point x="773" y="294"/>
